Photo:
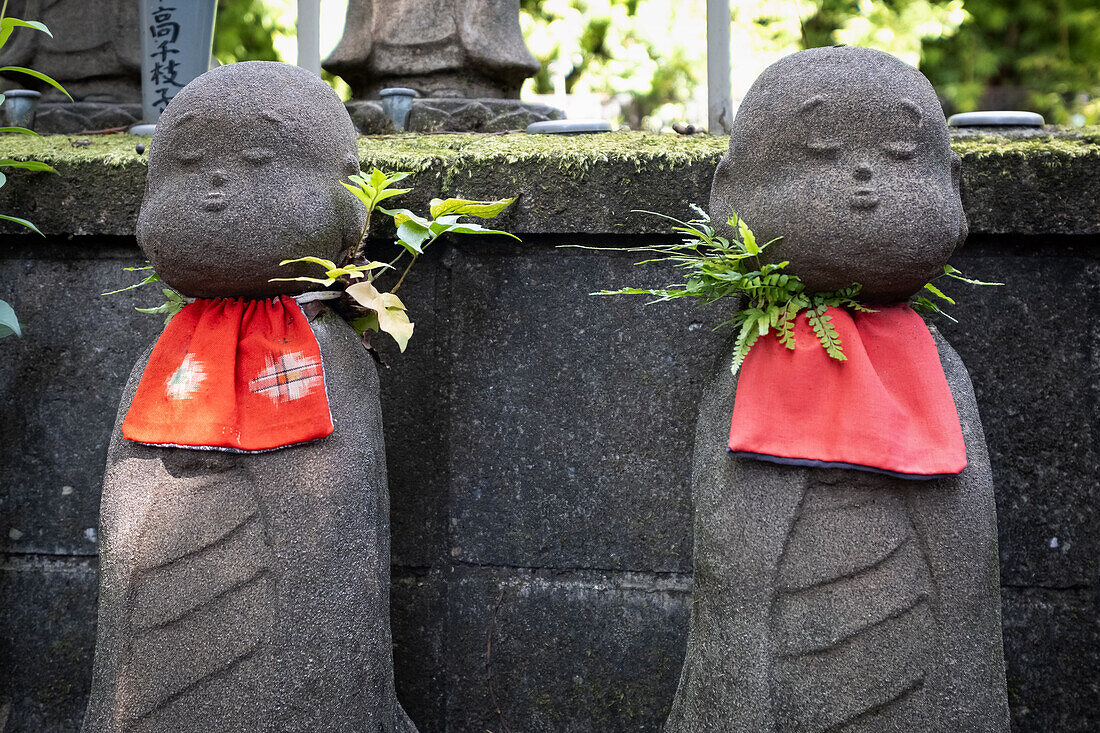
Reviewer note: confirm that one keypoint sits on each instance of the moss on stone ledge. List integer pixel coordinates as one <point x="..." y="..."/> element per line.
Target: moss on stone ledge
<point x="572" y="155"/>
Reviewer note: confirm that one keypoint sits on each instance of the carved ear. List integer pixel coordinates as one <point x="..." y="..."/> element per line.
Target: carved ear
<point x="351" y="165"/>
<point x="956" y="181"/>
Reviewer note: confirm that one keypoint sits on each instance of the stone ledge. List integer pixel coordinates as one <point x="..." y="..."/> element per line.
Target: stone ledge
<point x="587" y="184"/>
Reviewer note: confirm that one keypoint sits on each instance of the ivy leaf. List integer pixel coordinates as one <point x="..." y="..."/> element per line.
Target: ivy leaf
<point x="466" y="207"/>
<point x="388" y="309"/>
<point x="411" y="235"/>
<point x="467" y="228"/>
<point x="400" y="216"/>
<point x="9" y="323"/>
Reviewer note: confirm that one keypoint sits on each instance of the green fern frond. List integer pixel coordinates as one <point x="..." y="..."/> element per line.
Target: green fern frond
<point x="826" y="333"/>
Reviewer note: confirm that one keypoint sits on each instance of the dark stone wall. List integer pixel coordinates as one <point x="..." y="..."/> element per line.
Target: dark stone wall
<point x="539" y="443"/>
<point x="539" y="439"/>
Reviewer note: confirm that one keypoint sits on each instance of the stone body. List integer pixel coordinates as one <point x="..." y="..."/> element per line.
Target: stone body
<point x="249" y="592"/>
<point x="835" y="599"/>
<point x="95" y="52"/>
<point x="441" y="48"/>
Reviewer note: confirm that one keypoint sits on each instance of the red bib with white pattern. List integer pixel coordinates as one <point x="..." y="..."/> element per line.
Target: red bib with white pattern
<point x="888" y="408"/>
<point x="232" y="374"/>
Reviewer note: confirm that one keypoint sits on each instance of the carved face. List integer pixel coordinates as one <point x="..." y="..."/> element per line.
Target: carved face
<point x="844" y="153"/>
<point x="244" y="172"/>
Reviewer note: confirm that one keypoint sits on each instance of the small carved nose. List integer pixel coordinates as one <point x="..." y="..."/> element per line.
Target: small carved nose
<point x="863" y="172"/>
<point x="218" y="177"/>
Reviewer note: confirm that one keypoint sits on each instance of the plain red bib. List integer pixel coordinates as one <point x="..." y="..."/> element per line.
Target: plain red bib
<point x="232" y="374"/>
<point x="887" y="408"/>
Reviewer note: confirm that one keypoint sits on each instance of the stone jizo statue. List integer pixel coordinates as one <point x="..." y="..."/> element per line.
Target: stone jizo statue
<point x="830" y="598"/>
<point x="440" y="48"/>
<point x="248" y="591"/>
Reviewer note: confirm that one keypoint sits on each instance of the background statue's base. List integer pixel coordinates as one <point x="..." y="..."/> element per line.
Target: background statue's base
<point x="447" y="114"/>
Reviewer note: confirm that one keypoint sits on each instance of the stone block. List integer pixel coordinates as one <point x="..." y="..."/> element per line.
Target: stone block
<point x="1052" y="649"/>
<point x="64" y="377"/>
<point x="418" y="603"/>
<point x="1030" y="346"/>
<point x="565" y="652"/>
<point x="414" y="410"/>
<point x="47" y="632"/>
<point x="571" y="415"/>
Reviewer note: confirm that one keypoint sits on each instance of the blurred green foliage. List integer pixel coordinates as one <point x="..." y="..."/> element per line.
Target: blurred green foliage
<point x="245" y="30"/>
<point x="648" y="57"/>
<point x="1042" y="55"/>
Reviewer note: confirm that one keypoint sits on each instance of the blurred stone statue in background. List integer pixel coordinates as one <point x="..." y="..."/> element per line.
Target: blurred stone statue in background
<point x="95" y="53"/>
<point x="465" y="58"/>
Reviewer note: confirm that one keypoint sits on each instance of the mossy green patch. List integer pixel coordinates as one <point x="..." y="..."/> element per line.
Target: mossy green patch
<point x="1060" y="143"/>
<point x="571" y="154"/>
<point x="115" y="151"/>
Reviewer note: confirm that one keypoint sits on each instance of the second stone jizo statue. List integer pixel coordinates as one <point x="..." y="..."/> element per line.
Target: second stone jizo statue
<point x="245" y="515"/>
<point x="846" y="574"/>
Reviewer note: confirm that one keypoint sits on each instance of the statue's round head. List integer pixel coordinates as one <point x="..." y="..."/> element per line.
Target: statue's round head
<point x="244" y="171"/>
<point x="844" y="153"/>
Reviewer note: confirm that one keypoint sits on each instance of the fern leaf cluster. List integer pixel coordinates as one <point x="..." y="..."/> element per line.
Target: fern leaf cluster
<point x="717" y="267"/>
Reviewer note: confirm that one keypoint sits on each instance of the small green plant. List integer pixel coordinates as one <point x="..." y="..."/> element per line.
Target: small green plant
<point x="368" y="309"/>
<point x="9" y="323"/>
<point x="717" y="267"/>
<point x="173" y="300"/>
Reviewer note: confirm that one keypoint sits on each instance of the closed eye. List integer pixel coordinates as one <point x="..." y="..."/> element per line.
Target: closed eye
<point x="903" y="149"/>
<point x="823" y="147"/>
<point x="258" y="156"/>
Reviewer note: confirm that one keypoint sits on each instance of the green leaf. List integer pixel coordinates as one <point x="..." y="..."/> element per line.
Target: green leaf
<point x="9" y="323"/>
<point x="411" y="235"/>
<point x="327" y="264"/>
<point x="22" y="222"/>
<point x="938" y="293"/>
<point x="7" y="25"/>
<point x="785" y="326"/>
<point x="388" y="309"/>
<point x="400" y="216"/>
<point x="365" y="323"/>
<point x="957" y="275"/>
<point x="826" y="332"/>
<point x="319" y="280"/>
<point x="467" y="228"/>
<point x="466" y="207"/>
<point x="37" y="75"/>
<point x="20" y="131"/>
<point x="154" y="278"/>
<point x="359" y="194"/>
<point x="747" y="237"/>
<point x="31" y="165"/>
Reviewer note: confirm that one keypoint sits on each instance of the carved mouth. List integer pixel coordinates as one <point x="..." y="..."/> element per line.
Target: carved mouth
<point x="214" y="201"/>
<point x="864" y="198"/>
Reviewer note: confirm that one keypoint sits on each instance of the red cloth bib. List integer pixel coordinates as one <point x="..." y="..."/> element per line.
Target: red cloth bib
<point x="232" y="374"/>
<point x="887" y="408"/>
